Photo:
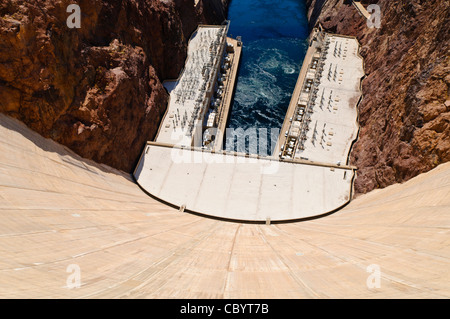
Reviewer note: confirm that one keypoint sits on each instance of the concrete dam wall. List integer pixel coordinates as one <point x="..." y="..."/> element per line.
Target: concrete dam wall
<point x="60" y="212"/>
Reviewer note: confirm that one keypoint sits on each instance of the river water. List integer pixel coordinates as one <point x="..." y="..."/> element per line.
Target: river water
<point x="274" y="37"/>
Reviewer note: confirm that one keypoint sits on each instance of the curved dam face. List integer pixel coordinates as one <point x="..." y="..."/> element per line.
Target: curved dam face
<point x="60" y="213"/>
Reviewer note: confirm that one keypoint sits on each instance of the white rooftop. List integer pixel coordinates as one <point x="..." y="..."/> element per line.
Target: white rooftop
<point x="188" y="94"/>
<point x="330" y="92"/>
<point x="235" y="187"/>
<point x="333" y="122"/>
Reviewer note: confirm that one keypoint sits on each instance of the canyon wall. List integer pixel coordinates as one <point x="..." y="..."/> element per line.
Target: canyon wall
<point x="405" y="111"/>
<point x="96" y="89"/>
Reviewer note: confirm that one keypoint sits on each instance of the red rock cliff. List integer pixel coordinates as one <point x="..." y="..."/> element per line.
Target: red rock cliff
<point x="405" y="112"/>
<point x="96" y="89"/>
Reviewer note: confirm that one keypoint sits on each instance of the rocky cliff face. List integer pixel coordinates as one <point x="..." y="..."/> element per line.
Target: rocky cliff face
<point x="96" y="89"/>
<point x="405" y="112"/>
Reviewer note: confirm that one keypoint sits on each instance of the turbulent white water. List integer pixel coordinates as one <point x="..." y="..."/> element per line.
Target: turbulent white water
<point x="274" y="36"/>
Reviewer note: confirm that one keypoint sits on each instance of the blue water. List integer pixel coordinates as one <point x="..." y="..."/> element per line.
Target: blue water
<point x="274" y="36"/>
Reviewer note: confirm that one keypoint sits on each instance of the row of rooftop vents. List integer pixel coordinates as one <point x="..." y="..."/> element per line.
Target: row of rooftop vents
<point x="197" y="77"/>
<point x="300" y="122"/>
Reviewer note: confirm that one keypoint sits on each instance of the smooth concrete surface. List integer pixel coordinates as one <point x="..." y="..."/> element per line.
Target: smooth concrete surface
<point x="242" y="188"/>
<point x="59" y="212"/>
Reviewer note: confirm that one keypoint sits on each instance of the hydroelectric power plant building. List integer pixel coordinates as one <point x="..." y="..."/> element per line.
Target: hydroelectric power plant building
<point x="199" y="96"/>
<point x="308" y="175"/>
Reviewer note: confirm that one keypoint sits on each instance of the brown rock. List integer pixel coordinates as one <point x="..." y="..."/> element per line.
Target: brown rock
<point x="403" y="116"/>
<point x="96" y="89"/>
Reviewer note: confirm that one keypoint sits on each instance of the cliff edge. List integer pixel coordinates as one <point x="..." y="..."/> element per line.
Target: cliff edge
<point x="96" y="89"/>
<point x="405" y="112"/>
